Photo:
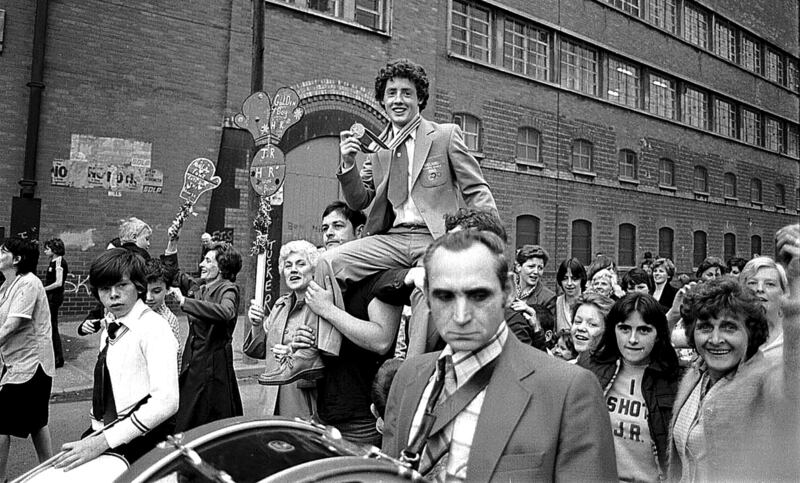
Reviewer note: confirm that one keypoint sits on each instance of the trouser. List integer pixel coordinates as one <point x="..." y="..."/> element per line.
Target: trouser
<point x="57" y="350"/>
<point x="400" y="247"/>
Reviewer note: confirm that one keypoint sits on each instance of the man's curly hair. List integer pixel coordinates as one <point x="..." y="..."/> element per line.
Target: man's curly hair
<point x="723" y="296"/>
<point x="403" y="69"/>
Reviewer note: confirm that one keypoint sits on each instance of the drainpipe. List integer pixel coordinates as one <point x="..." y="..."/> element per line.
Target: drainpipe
<point x="28" y="181"/>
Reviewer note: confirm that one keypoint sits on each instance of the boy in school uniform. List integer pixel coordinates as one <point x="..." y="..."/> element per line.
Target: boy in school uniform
<point x="136" y="378"/>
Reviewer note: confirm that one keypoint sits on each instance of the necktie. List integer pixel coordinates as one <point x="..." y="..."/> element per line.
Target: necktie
<point x="434" y="458"/>
<point x="103" y="407"/>
<point x="398" y="176"/>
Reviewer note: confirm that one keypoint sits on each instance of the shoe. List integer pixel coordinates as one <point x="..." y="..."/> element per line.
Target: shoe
<point x="300" y="364"/>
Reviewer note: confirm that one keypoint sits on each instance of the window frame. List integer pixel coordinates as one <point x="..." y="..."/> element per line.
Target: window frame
<point x="584" y="77"/>
<point x="625" y="88"/>
<point x="726" y="49"/>
<point x="530" y="48"/>
<point x="661" y="100"/>
<point x="587" y="250"/>
<point x="699" y="169"/>
<point x="537" y="147"/>
<point x="662" y="242"/>
<point x="701" y="245"/>
<point x="626" y="256"/>
<point x="728" y="246"/>
<point x="517" y="230"/>
<point x="461" y="119"/>
<point x="696" y="34"/>
<point x="780" y="195"/>
<point x="725" y="119"/>
<point x="582" y="143"/>
<point x="469" y="32"/>
<point x="629" y="161"/>
<point x="756" y="191"/>
<point x="663" y="162"/>
<point x="729" y="181"/>
<point x="751" y="126"/>
<point x="694" y="104"/>
<point x="344" y="11"/>
<point x="750" y="57"/>
<point x="654" y="8"/>
<point x="755" y="241"/>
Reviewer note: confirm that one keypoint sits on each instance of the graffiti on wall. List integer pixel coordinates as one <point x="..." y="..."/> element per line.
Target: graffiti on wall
<point x="75" y="282"/>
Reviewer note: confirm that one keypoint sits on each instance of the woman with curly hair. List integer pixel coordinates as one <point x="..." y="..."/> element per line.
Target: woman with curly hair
<point x="735" y="417"/>
<point x="208" y="388"/>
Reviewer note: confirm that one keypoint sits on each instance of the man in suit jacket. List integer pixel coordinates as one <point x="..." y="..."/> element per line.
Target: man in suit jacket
<point x="426" y="172"/>
<point x="535" y="418"/>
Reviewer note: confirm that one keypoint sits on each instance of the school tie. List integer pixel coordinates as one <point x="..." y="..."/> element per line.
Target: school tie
<point x="398" y="176"/>
<point x="103" y="407"/>
<point x="434" y="458"/>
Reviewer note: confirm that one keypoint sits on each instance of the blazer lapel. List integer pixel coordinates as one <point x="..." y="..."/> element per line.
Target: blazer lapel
<point x="411" y="397"/>
<point x="422" y="145"/>
<point x="503" y="406"/>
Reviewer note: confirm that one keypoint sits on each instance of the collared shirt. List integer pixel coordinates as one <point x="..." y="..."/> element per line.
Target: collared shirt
<point x="25" y="333"/>
<point x="407" y="213"/>
<point x="172" y="320"/>
<point x="461" y="430"/>
<point x="141" y="362"/>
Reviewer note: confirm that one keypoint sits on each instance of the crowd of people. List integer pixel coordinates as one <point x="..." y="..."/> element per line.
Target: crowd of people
<point x="490" y="375"/>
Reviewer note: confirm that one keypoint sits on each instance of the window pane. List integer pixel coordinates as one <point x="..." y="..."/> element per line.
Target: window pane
<point x="792" y="141"/>
<point x="699" y="248"/>
<point x="780" y="195"/>
<point x="630" y="6"/>
<point x="528" y="145"/>
<point x="751" y="54"/>
<point x="525" y="49"/>
<point x="470" y="128"/>
<point x="666" y="172"/>
<point x="582" y="241"/>
<point x="729" y="246"/>
<point x="662" y="14"/>
<point x="527" y="230"/>
<point x="627" y="245"/>
<point x="751" y="127"/>
<point x="695" y="110"/>
<point x="700" y="179"/>
<point x="665" y="239"/>
<point x="661" y="99"/>
<point x="582" y="155"/>
<point x="730" y="185"/>
<point x="791" y="75"/>
<point x="470" y="33"/>
<point x="368" y="13"/>
<point x="623" y="83"/>
<point x="773" y="139"/>
<point x="755" y="245"/>
<point x="578" y="67"/>
<point x="627" y="164"/>
<point x="725" y="41"/>
<point x="774" y="67"/>
<point x="755" y="190"/>
<point x="724" y="118"/>
<point x="695" y="28"/>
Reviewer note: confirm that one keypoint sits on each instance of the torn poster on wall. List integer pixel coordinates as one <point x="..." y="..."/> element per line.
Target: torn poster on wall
<point x="117" y="165"/>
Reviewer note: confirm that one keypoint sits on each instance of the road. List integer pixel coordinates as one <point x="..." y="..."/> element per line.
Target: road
<point x="69" y="418"/>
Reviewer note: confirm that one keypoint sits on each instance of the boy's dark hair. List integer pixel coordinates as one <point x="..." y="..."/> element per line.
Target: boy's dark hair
<point x="383" y="382"/>
<point x="155" y="270"/>
<point x="112" y="265"/>
<point x="355" y="217"/>
<point x="403" y="69"/>
<point x="228" y="260"/>
<point x="635" y="276"/>
<point x="481" y="220"/>
<point x="56" y="246"/>
<point x="27" y="251"/>
<point x="724" y="296"/>
<point x="735" y="262"/>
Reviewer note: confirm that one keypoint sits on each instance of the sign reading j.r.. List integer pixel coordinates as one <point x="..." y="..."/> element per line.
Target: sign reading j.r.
<point x="267" y="170"/>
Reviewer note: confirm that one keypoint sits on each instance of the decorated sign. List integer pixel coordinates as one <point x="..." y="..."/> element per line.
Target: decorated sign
<point x="198" y="179"/>
<point x="255" y="116"/>
<point x="268" y="170"/>
<point x="285" y="112"/>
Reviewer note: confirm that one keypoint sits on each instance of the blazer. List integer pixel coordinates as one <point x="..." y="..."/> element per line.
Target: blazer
<point x="445" y="177"/>
<point x="542" y="419"/>
<point x="668" y="295"/>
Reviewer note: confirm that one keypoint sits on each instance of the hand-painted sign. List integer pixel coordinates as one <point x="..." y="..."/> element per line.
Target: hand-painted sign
<point x="198" y="179"/>
<point x="268" y="170"/>
<point x="285" y="112"/>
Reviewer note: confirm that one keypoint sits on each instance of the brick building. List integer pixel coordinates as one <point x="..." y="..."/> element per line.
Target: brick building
<point x="618" y="126"/>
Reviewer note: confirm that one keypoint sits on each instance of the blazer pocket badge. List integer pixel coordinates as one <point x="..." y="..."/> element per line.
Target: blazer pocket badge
<point x="433" y="174"/>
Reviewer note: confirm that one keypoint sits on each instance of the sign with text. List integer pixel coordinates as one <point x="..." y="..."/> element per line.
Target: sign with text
<point x="268" y="170"/>
<point x="285" y="112"/>
<point x="198" y="179"/>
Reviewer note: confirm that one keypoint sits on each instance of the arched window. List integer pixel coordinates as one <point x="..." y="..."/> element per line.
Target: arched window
<point x="582" y="155"/>
<point x="666" y="237"/>
<point x="729" y="246"/>
<point x="627" y="245"/>
<point x="780" y="195"/>
<point x="755" y="190"/>
<point x="730" y="185"/>
<point x="699" y="247"/>
<point x="471" y="129"/>
<point x="627" y="164"/>
<point x="528" y="144"/>
<point x="666" y="172"/>
<point x="582" y="241"/>
<point x="700" y="179"/>
<point x="755" y="245"/>
<point x="527" y="230"/>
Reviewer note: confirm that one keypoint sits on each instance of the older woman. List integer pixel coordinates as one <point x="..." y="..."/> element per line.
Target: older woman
<point x="571" y="277"/>
<point x="663" y="271"/>
<point x="735" y="416"/>
<point x="270" y="338"/>
<point x="768" y="280"/>
<point x="208" y="387"/>
<point x="588" y="321"/>
<point x="603" y="282"/>
<point x="26" y="351"/>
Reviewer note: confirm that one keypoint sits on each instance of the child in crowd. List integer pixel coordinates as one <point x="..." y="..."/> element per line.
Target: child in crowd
<point x="136" y="380"/>
<point x="564" y="349"/>
<point x="159" y="278"/>
<point x="380" y="389"/>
